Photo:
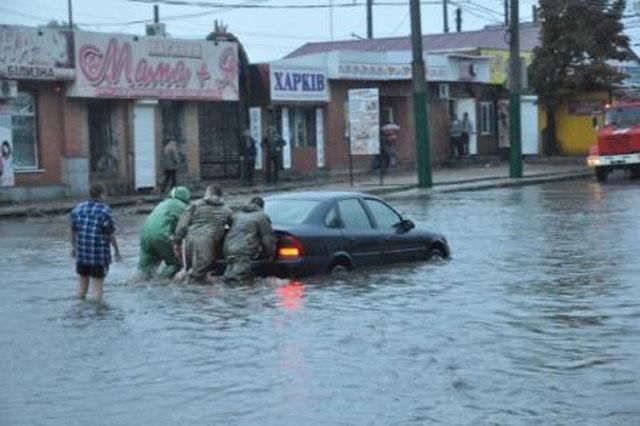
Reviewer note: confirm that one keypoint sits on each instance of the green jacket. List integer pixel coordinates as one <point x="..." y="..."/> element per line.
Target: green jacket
<point x="163" y="219"/>
<point x="251" y="234"/>
<point x="207" y="218"/>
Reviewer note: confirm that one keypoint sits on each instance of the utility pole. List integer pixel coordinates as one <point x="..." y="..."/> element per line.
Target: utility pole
<point x="445" y="13"/>
<point x="420" y="100"/>
<point x="331" y="19"/>
<point x="369" y="18"/>
<point x="156" y="14"/>
<point x="459" y="20"/>
<point x="506" y="13"/>
<point x="515" y="85"/>
<point x="70" y="11"/>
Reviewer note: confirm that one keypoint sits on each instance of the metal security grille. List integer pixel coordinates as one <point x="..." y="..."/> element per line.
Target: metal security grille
<point x="220" y="130"/>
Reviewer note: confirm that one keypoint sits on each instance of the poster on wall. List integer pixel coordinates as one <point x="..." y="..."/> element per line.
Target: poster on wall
<point x="364" y="121"/>
<point x="126" y="67"/>
<point x="7" y="173"/>
<point x="320" y="137"/>
<point x="286" y="135"/>
<point x="503" y="124"/>
<point x="255" y="125"/>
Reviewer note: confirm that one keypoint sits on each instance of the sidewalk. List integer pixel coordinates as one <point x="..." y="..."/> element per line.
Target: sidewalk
<point x="450" y="179"/>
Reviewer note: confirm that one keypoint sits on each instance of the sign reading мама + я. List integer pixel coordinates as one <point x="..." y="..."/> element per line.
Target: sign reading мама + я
<point x="125" y="66"/>
<point x="298" y="84"/>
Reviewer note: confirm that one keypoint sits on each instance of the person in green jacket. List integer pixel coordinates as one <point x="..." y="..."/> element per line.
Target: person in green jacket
<point x="202" y="227"/>
<point x="156" y="236"/>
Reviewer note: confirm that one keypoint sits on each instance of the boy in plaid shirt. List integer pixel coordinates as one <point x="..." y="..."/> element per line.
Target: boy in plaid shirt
<point x="92" y="234"/>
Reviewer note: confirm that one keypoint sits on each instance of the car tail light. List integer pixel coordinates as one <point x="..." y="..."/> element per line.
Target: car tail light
<point x="290" y="247"/>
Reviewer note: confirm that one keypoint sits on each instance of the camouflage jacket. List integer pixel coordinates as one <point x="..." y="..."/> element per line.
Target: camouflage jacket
<point x="251" y="234"/>
<point x="207" y="218"/>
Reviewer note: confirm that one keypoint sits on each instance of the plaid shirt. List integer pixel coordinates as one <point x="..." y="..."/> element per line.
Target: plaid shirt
<point x="94" y="225"/>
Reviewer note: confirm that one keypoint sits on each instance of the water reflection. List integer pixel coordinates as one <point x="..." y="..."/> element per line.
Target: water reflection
<point x="535" y="321"/>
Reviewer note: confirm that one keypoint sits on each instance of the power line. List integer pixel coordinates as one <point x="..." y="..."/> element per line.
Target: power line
<point x="221" y="5"/>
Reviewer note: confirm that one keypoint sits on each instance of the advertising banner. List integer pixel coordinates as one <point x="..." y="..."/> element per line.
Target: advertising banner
<point x="35" y="53"/>
<point x="320" y="137"/>
<point x="364" y="121"/>
<point x="130" y="67"/>
<point x="7" y="173"/>
<point x="298" y="84"/>
<point x="255" y="124"/>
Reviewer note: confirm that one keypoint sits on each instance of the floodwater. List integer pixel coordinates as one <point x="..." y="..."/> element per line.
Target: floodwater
<point x="535" y="320"/>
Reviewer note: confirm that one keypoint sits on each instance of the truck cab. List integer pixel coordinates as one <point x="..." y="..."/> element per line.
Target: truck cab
<point x="618" y="144"/>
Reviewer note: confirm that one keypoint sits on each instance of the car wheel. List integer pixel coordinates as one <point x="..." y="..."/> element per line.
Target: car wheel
<point x="339" y="267"/>
<point x="601" y="174"/>
<point x="436" y="253"/>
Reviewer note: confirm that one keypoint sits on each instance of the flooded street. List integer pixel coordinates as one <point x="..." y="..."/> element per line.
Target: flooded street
<point x="535" y="320"/>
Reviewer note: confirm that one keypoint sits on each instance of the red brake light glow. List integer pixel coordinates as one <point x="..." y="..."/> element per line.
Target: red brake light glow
<point x="290" y="247"/>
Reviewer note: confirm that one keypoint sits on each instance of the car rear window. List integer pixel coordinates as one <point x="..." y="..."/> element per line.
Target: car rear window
<point x="289" y="212"/>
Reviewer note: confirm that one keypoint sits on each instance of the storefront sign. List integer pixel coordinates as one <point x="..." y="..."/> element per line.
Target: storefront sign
<point x="35" y="53"/>
<point x="255" y="125"/>
<point x="364" y="121"/>
<point x="587" y="107"/>
<point x="299" y="84"/>
<point x="123" y="66"/>
<point x="7" y="172"/>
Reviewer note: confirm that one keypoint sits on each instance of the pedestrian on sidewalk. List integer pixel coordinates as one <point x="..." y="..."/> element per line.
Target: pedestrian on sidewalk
<point x="201" y="229"/>
<point x="156" y="236"/>
<point x="7" y="173"/>
<point x="170" y="162"/>
<point x="250" y="153"/>
<point x="272" y="145"/>
<point x="250" y="238"/>
<point x="92" y="235"/>
<point x="455" y="133"/>
<point x="465" y="135"/>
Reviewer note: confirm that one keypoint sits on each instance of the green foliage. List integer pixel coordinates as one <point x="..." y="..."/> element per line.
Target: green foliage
<point x="578" y="38"/>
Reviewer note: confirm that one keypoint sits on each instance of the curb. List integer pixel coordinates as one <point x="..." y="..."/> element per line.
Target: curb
<point x="502" y="183"/>
<point x="392" y="192"/>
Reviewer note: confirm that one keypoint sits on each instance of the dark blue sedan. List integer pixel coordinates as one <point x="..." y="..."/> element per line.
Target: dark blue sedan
<point x="323" y="232"/>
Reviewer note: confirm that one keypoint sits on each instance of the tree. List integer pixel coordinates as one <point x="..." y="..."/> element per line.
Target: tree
<point x="578" y="38"/>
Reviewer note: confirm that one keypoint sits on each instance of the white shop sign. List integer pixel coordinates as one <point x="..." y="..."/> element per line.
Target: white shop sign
<point x="35" y="53"/>
<point x="298" y="84"/>
<point x="127" y="66"/>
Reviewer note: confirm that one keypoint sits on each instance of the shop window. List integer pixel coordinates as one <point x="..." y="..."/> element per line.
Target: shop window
<point x="487" y="118"/>
<point x="23" y="125"/>
<point x="172" y="113"/>
<point x="302" y="127"/>
<point x="103" y="145"/>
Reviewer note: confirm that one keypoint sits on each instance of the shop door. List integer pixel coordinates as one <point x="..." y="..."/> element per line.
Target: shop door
<point x="220" y="130"/>
<point x="530" y="128"/>
<point x="144" y="144"/>
<point x="469" y="106"/>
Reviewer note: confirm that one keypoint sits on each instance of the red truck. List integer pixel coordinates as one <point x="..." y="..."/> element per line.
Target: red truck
<point x="618" y="142"/>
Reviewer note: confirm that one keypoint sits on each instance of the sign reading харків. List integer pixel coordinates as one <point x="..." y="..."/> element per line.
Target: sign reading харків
<point x="35" y="53"/>
<point x="133" y="67"/>
<point x="298" y="83"/>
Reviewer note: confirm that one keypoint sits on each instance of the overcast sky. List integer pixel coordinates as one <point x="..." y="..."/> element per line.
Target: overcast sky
<point x="267" y="34"/>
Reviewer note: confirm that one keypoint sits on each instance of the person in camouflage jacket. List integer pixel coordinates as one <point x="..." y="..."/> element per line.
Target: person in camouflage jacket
<point x="251" y="237"/>
<point x="156" y="236"/>
<point x="202" y="228"/>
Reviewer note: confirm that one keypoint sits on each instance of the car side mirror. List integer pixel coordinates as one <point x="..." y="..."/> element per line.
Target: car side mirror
<point x="406" y="225"/>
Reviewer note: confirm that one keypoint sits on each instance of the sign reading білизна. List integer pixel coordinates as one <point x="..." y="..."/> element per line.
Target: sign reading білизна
<point x="35" y="53"/>
<point x="126" y="66"/>
<point x="364" y="121"/>
<point x="298" y="84"/>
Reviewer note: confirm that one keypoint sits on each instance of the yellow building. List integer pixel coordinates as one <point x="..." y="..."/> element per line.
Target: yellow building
<point x="574" y="122"/>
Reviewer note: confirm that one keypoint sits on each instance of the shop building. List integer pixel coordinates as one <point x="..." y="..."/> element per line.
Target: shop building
<point x="313" y="115"/>
<point x="44" y="159"/>
<point x="81" y="107"/>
